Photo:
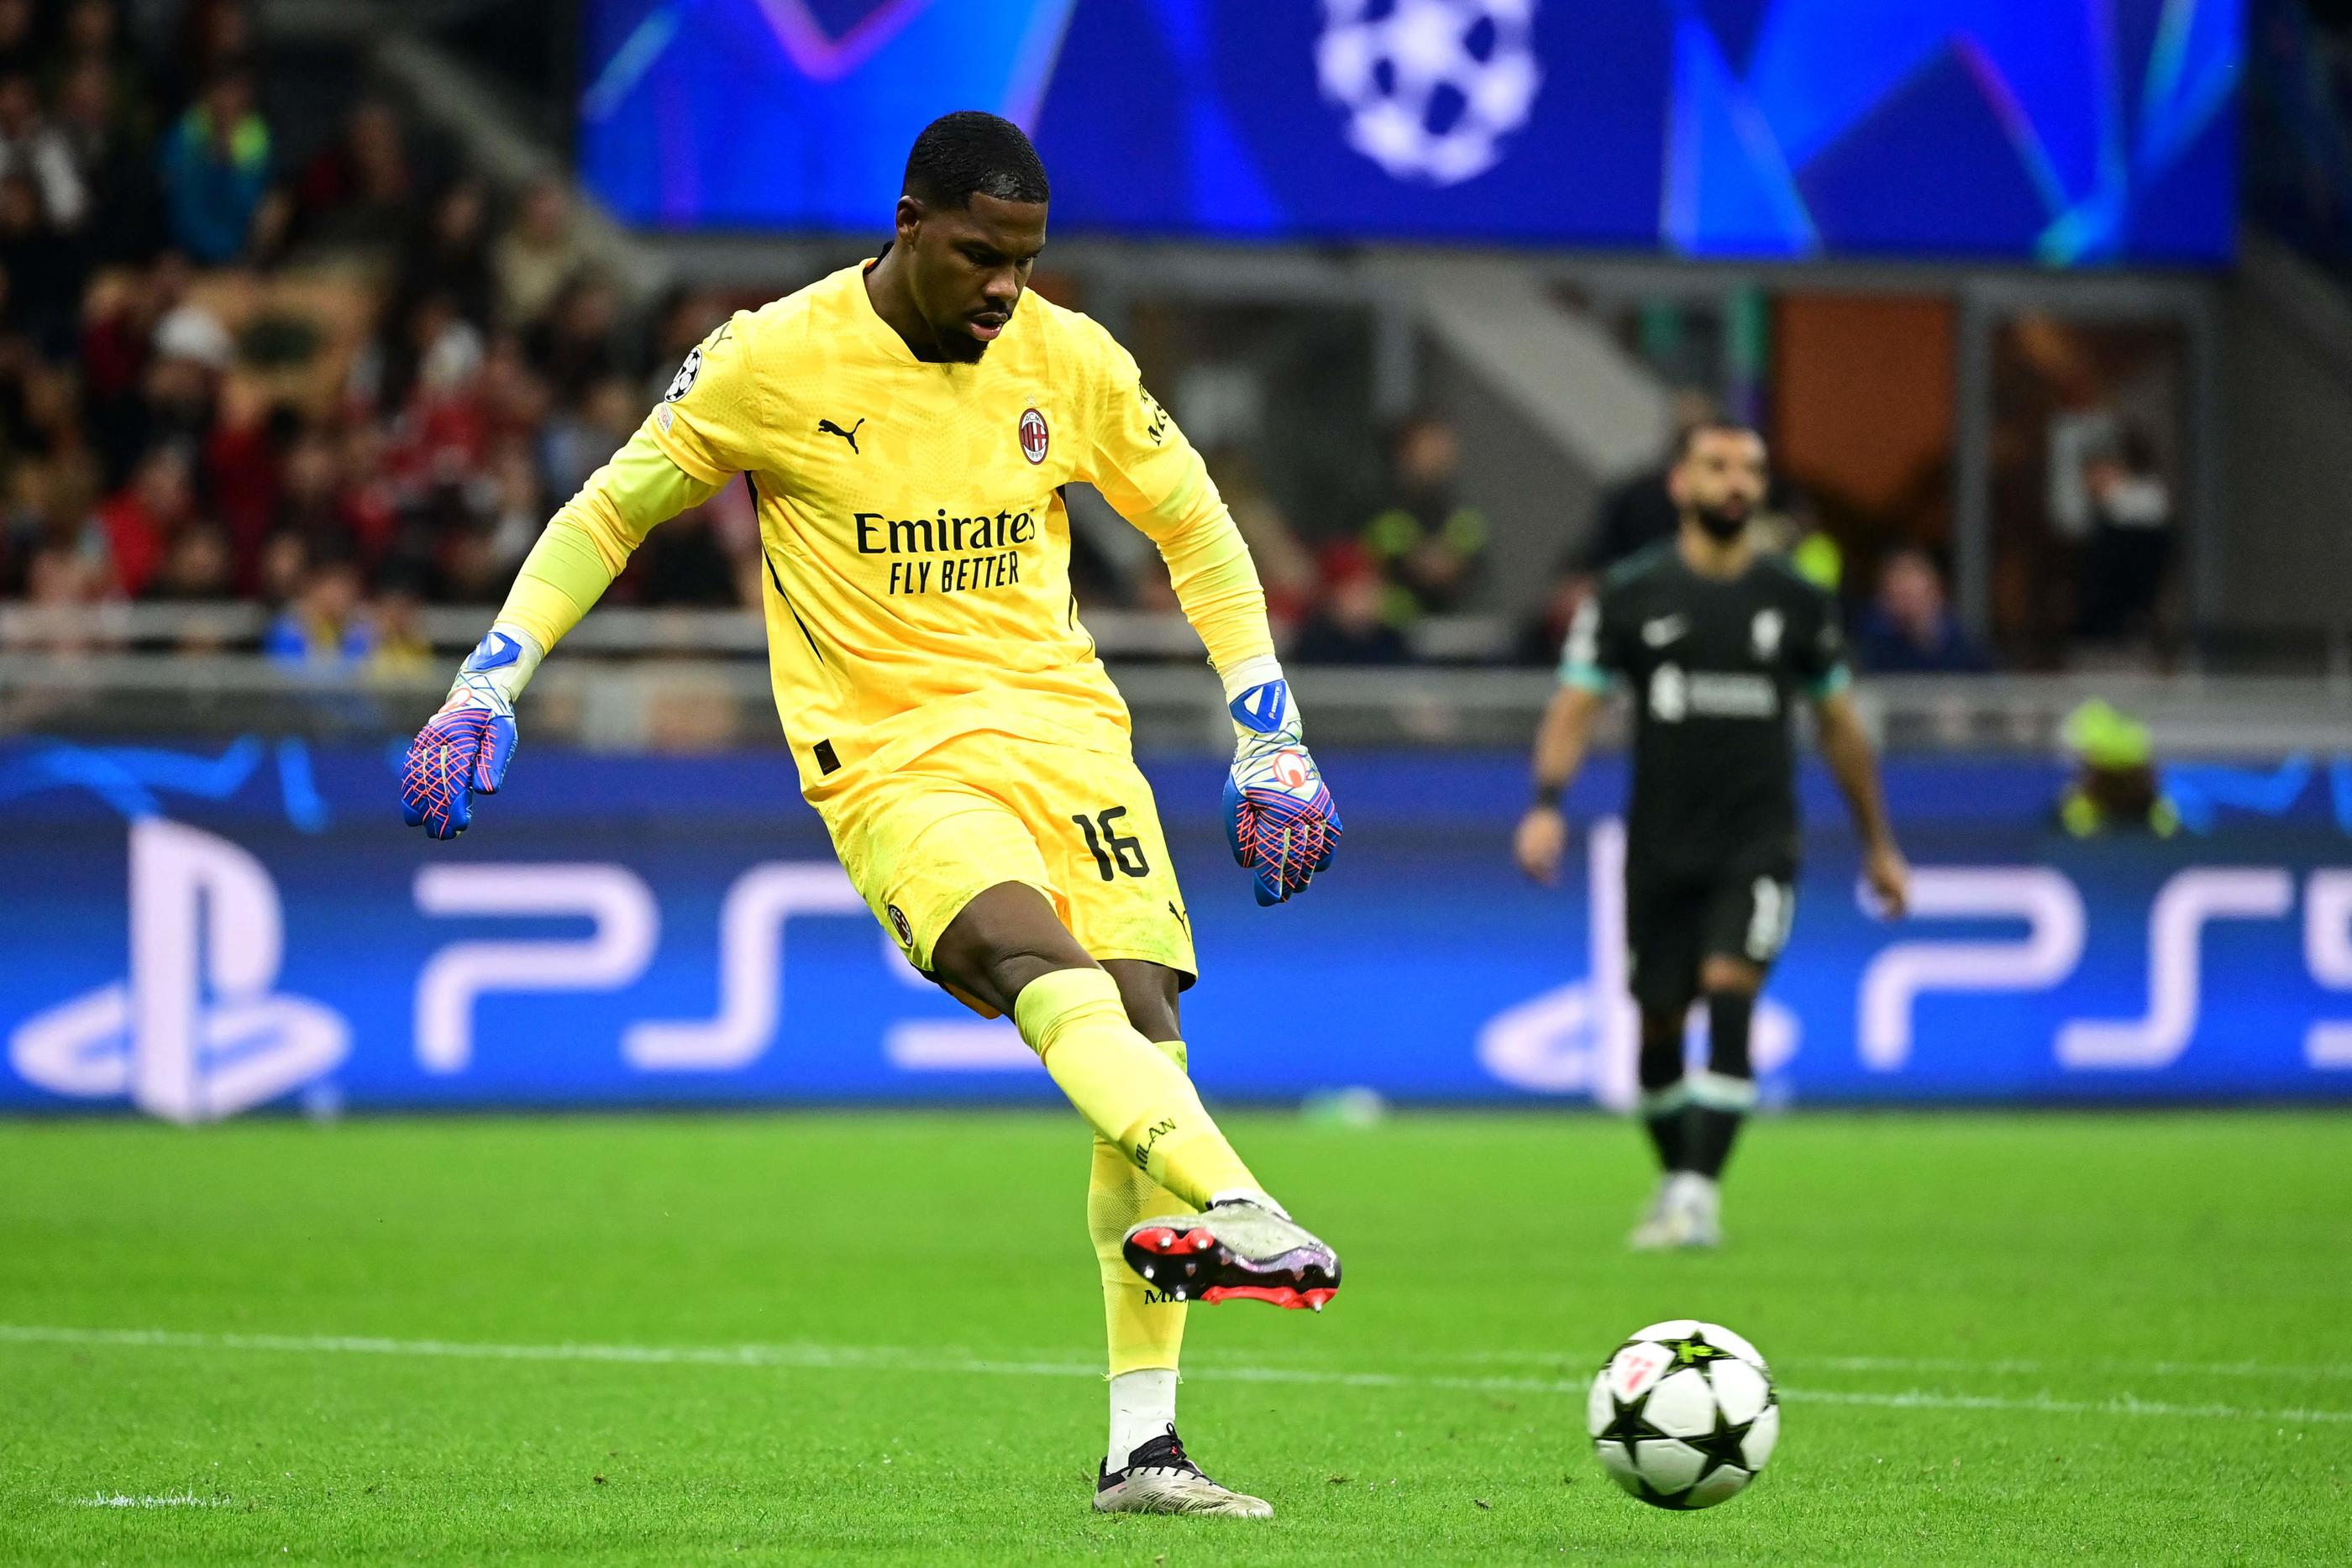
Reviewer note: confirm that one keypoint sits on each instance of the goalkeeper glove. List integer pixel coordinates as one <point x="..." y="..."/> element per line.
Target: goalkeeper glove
<point x="1279" y="817"/>
<point x="463" y="750"/>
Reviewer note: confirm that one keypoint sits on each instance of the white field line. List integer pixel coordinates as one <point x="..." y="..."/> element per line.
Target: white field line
<point x="2332" y="1370"/>
<point x="893" y="1358"/>
<point x="174" y="1500"/>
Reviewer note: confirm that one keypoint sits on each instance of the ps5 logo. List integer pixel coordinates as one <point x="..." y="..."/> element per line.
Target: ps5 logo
<point x="197" y="1031"/>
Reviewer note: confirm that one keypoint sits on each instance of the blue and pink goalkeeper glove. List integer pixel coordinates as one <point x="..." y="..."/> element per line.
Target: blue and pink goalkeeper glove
<point x="1279" y="817"/>
<point x="463" y="750"/>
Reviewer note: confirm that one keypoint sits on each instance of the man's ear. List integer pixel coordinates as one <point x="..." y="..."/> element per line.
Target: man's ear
<point x="1675" y="488"/>
<point x="910" y="218"/>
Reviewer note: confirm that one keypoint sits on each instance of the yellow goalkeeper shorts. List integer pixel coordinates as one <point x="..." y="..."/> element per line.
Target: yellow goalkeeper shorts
<point x="921" y="840"/>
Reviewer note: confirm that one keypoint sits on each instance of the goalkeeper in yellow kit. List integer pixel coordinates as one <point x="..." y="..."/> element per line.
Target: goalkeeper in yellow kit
<point x="906" y="426"/>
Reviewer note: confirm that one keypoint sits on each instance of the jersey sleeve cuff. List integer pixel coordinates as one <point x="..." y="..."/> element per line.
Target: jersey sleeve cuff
<point x="1585" y="678"/>
<point x="1830" y="685"/>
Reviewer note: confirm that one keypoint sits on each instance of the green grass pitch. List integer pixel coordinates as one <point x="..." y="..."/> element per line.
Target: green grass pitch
<point x="876" y="1337"/>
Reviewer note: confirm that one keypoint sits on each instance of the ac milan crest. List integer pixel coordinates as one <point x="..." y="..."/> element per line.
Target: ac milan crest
<point x="1033" y="436"/>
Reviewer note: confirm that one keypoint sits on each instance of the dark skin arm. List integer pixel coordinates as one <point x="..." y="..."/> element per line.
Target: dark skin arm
<point x="1846" y="748"/>
<point x="1562" y="740"/>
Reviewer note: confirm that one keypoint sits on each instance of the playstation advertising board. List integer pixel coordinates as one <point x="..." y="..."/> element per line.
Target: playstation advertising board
<point x="201" y="932"/>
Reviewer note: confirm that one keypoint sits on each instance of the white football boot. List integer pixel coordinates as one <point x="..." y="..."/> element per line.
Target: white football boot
<point x="1698" y="1211"/>
<point x="1656" y="1232"/>
<point x="1161" y="1478"/>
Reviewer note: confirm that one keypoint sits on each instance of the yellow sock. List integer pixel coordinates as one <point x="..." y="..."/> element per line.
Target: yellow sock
<point x="1145" y="1325"/>
<point x="1137" y="1098"/>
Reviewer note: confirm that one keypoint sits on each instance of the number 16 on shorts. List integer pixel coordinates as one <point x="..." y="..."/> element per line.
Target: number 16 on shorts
<point x="1115" y="854"/>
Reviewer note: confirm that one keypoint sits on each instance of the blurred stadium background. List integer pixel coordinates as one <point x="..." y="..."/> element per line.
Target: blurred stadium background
<point x="314" y="311"/>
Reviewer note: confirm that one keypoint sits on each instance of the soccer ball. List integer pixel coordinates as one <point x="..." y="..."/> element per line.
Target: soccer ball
<point x="1682" y="1414"/>
<point x="1431" y="86"/>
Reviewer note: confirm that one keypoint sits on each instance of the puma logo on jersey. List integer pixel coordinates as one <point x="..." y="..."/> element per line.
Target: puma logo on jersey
<point x="826" y="427"/>
<point x="1666" y="629"/>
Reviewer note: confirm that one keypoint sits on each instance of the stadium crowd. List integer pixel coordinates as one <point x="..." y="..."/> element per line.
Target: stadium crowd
<point x="338" y="373"/>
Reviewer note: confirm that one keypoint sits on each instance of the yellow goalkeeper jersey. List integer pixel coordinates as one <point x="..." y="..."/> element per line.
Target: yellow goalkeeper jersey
<point x="916" y="547"/>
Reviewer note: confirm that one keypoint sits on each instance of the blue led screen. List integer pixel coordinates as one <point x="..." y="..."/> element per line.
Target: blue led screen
<point x="2066" y="132"/>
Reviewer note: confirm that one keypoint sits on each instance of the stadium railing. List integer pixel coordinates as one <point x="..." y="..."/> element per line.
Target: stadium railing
<point x="702" y="702"/>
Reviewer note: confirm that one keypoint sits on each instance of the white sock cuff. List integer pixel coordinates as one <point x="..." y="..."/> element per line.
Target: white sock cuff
<point x="1250" y="673"/>
<point x="1720" y="1092"/>
<point x="1142" y="1406"/>
<point x="1664" y="1101"/>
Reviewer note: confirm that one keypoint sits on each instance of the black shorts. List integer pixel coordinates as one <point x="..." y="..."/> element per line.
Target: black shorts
<point x="1675" y="921"/>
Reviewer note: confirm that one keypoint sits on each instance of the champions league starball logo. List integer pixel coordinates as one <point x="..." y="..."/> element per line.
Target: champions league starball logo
<point x="1431" y="88"/>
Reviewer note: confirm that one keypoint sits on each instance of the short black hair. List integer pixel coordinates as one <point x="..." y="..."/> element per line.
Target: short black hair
<point x="1686" y="441"/>
<point x="973" y="152"/>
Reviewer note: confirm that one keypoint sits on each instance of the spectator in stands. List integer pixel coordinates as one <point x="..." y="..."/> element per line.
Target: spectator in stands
<point x="515" y="403"/>
<point x="579" y="439"/>
<point x="192" y="353"/>
<point x="216" y="169"/>
<point x="64" y="582"/>
<point x="539" y="253"/>
<point x="2130" y="560"/>
<point x="51" y="506"/>
<point x="310" y="503"/>
<point x="31" y="146"/>
<point x="402" y="648"/>
<point x="451" y="255"/>
<point x="448" y="348"/>
<point x="18" y="36"/>
<point x="572" y="345"/>
<point x="37" y="418"/>
<point x="520" y="506"/>
<point x="466" y="568"/>
<point x="197" y="568"/>
<point x="430" y="389"/>
<point x="1352" y="626"/>
<point x="356" y="199"/>
<point x="243" y="471"/>
<point x="1790" y="525"/>
<point x="366" y="498"/>
<point x="25" y="528"/>
<point x="143" y="520"/>
<point x="1284" y="566"/>
<point x="326" y="624"/>
<point x="42" y="269"/>
<point x="118" y="331"/>
<point x="2116" y="786"/>
<point x="110" y="156"/>
<point x="215" y="35"/>
<point x="1426" y="542"/>
<point x="1909" y="628"/>
<point x="92" y="40"/>
<point x="285" y="562"/>
<point x="681" y="320"/>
